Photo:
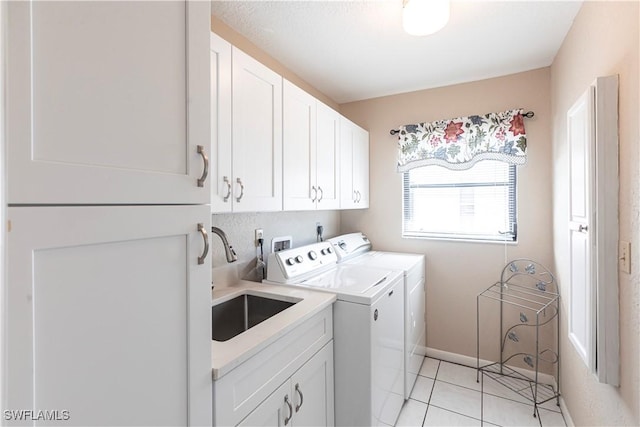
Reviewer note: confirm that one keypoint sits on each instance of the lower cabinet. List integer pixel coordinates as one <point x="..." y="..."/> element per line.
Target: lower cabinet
<point x="305" y="399"/>
<point x="290" y="382"/>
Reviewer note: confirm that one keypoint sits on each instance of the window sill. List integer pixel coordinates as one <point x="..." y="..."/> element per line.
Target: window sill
<point x="464" y="240"/>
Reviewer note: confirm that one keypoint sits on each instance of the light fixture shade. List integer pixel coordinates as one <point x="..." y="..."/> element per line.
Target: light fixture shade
<point x="424" y="17"/>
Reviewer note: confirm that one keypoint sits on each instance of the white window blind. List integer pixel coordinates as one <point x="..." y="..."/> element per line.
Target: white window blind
<point x="478" y="203"/>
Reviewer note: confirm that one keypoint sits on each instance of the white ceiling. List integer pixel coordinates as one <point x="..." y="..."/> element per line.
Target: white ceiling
<point x="354" y="50"/>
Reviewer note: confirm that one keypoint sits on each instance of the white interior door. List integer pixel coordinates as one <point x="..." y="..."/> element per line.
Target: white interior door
<point x="580" y="135"/>
<point x="109" y="314"/>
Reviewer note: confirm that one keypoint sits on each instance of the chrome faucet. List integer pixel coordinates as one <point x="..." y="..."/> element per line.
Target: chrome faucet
<point x="228" y="249"/>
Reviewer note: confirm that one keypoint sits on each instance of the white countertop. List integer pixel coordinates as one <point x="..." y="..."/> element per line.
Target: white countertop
<point x="227" y="355"/>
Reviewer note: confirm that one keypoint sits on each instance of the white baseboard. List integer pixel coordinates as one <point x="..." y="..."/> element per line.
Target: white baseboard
<point x="565" y="413"/>
<point x="472" y="363"/>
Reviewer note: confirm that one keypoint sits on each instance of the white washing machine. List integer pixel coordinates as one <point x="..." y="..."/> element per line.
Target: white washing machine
<point x="368" y="330"/>
<point x="355" y="249"/>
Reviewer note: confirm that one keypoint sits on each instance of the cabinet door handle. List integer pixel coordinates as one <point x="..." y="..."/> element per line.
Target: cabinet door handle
<point x="315" y="193"/>
<point x="286" y="400"/>
<point x="205" y="171"/>
<point x="226" y="181"/>
<point x="321" y="193"/>
<point x="301" y="398"/>
<point x="355" y="196"/>
<point x="203" y="232"/>
<point x="582" y="228"/>
<point x="239" y="181"/>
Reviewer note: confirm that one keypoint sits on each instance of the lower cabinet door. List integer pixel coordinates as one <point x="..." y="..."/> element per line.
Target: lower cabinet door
<point x="108" y="315"/>
<point x="305" y="399"/>
<point x="276" y="410"/>
<point x="312" y="390"/>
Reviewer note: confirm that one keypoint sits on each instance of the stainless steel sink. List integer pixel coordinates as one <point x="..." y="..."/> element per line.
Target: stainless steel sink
<point x="233" y="317"/>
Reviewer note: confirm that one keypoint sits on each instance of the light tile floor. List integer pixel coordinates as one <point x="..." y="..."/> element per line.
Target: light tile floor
<point x="446" y="394"/>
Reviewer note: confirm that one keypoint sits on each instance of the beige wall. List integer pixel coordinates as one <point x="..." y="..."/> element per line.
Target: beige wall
<point x="603" y="41"/>
<point x="241" y="42"/>
<point x="458" y="271"/>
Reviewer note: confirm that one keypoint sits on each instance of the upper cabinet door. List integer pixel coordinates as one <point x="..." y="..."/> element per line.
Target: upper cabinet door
<point x="361" y="166"/>
<point x="257" y="135"/>
<point x="354" y="166"/>
<point x="328" y="157"/>
<point x="108" y="102"/>
<point x="221" y="168"/>
<point x="299" y="149"/>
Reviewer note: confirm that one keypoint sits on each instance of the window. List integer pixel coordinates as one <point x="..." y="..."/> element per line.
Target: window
<point x="474" y="204"/>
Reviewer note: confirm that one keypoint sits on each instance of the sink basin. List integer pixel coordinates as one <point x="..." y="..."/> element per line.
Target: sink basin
<point x="233" y="317"/>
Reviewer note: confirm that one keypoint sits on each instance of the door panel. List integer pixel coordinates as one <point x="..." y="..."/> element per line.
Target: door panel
<point x="257" y="135"/>
<point x="109" y="314"/>
<point x="313" y="397"/>
<point x="98" y="112"/>
<point x="299" y="149"/>
<point x="328" y="157"/>
<point x="221" y="172"/>
<point x="581" y="170"/>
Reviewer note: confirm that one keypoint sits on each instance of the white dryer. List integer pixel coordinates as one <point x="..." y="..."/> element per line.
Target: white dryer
<point x="368" y="330"/>
<point x="355" y="249"/>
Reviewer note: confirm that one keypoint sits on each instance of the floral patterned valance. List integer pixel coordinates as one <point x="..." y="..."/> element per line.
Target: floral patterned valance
<point x="461" y="142"/>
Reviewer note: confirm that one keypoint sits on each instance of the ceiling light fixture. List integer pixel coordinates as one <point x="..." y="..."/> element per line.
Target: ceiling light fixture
<point x="424" y="17"/>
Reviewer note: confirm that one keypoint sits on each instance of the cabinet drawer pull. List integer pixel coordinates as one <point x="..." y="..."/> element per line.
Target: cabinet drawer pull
<point x="321" y="193"/>
<point x="205" y="171"/>
<point x="301" y="398"/>
<point x="315" y="193"/>
<point x="226" y="181"/>
<point x="239" y="181"/>
<point x="203" y="232"/>
<point x="286" y="400"/>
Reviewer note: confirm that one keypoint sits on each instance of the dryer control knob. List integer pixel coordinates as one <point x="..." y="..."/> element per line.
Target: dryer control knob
<point x="290" y="261"/>
<point x="299" y="259"/>
<point x="329" y="250"/>
<point x="313" y="255"/>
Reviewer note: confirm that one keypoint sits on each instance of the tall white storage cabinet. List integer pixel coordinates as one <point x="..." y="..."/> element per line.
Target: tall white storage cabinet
<point x="108" y="293"/>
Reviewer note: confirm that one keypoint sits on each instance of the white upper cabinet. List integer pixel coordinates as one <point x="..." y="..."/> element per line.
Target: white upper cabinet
<point x="256" y="135"/>
<point x="109" y="314"/>
<point x="328" y="157"/>
<point x="221" y="165"/>
<point x="100" y="113"/>
<point x="354" y="166"/>
<point x="299" y="149"/>
<point x="310" y="152"/>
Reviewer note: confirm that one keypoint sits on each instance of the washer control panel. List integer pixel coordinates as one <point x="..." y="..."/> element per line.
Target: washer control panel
<point x="291" y="264"/>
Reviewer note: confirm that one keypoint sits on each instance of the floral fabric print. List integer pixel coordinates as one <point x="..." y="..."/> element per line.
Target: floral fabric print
<point x="460" y="143"/>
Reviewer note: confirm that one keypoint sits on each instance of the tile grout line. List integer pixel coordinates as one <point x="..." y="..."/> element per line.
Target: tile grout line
<point x="433" y="386"/>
